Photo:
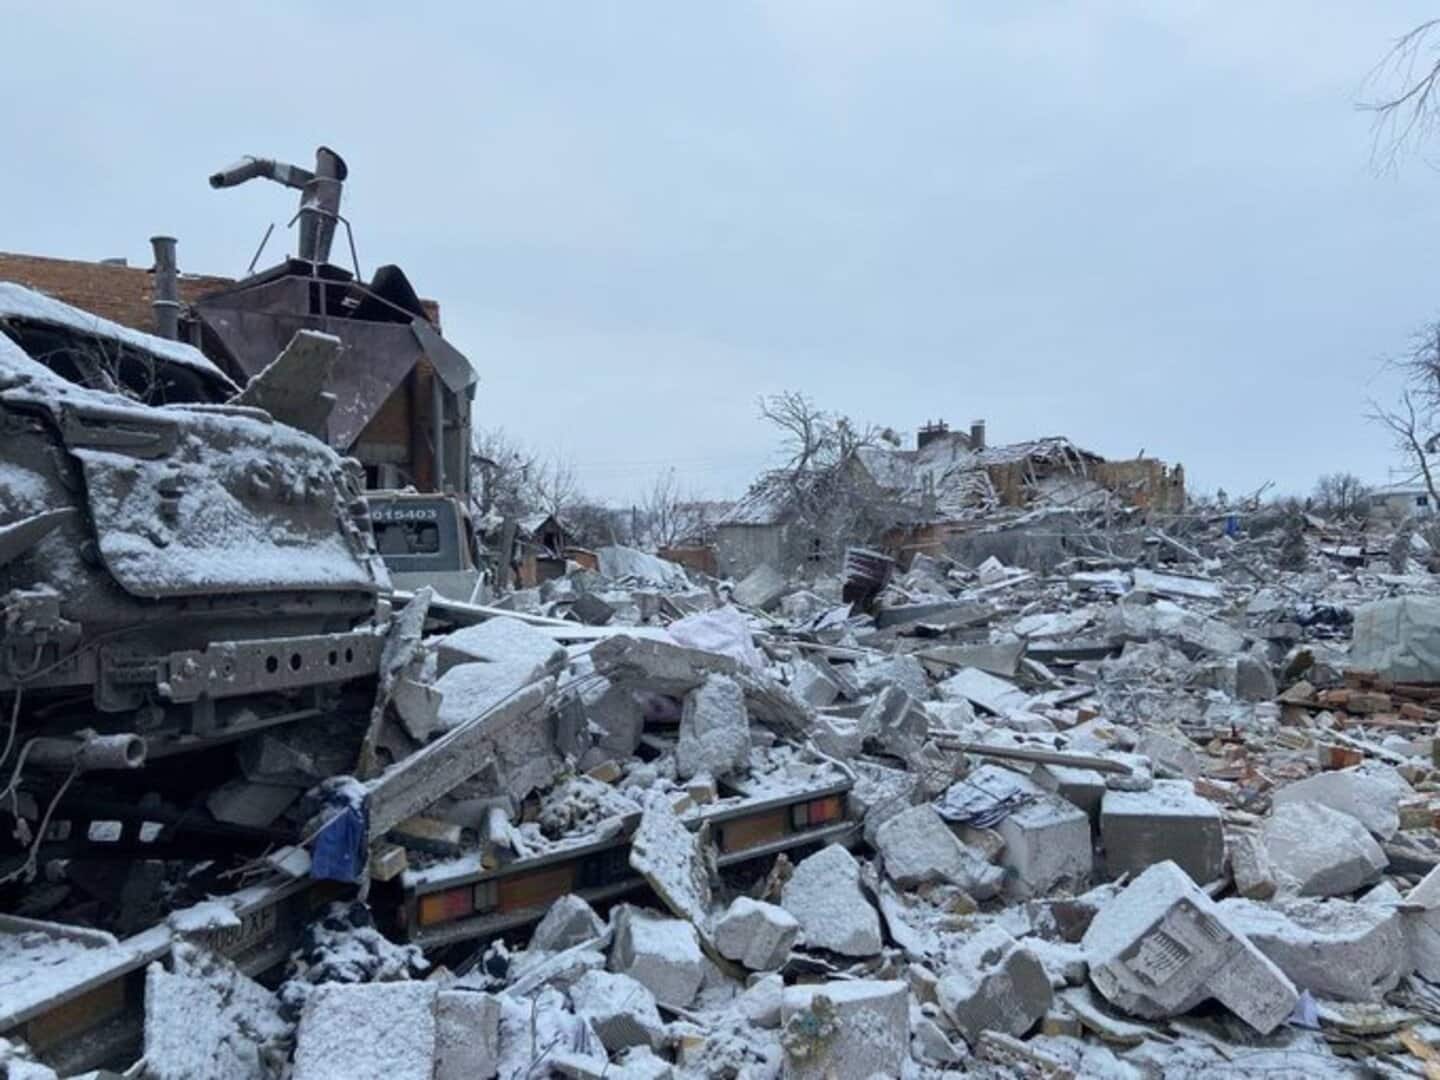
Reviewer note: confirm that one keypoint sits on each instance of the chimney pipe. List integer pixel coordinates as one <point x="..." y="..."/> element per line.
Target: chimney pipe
<point x="977" y="434"/>
<point x="166" y="288"/>
<point x="319" y="194"/>
<point x="320" y="206"/>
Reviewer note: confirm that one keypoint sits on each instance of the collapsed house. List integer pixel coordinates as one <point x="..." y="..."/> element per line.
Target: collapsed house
<point x="944" y="490"/>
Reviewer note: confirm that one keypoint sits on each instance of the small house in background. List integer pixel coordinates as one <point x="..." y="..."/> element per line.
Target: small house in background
<point x="540" y="548"/>
<point x="1399" y="501"/>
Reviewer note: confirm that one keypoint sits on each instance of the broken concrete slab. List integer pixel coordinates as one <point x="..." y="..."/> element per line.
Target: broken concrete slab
<point x="619" y="1008"/>
<point x="1318" y="851"/>
<point x="714" y="730"/>
<point x="1172" y="754"/>
<point x="1332" y="948"/>
<point x="851" y="1030"/>
<point x="673" y="861"/>
<point x="1170" y="821"/>
<point x="761" y="589"/>
<point x="993" y="983"/>
<point x="1398" y="638"/>
<point x="467" y="1035"/>
<point x="757" y="934"/>
<point x="996" y="658"/>
<point x="662" y="954"/>
<point x="1371" y="796"/>
<point x="992" y="694"/>
<point x="919" y="848"/>
<point x="824" y="894"/>
<point x="1174" y="585"/>
<point x="367" y="1029"/>
<point x="591" y="610"/>
<point x="501" y="640"/>
<point x="570" y="921"/>
<point x="208" y="1019"/>
<point x="507" y="741"/>
<point x="1162" y="946"/>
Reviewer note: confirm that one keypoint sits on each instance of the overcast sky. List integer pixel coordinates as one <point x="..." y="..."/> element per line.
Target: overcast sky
<point x="1148" y="226"/>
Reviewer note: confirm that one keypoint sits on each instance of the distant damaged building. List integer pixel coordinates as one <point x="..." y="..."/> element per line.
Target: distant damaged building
<point x="950" y="484"/>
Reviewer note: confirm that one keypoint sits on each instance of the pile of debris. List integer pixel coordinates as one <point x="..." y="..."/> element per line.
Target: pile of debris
<point x="1110" y="819"/>
<point x="1110" y="815"/>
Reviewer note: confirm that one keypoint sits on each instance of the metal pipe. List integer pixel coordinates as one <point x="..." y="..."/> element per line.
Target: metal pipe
<point x="166" y="288"/>
<point x="88" y="752"/>
<point x="320" y="206"/>
<point x="437" y="396"/>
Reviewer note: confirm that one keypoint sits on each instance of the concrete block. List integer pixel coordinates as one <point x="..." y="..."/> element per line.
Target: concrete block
<point x="1333" y="948"/>
<point x="367" y="1029"/>
<point x="662" y="954"/>
<point x="853" y="1030"/>
<point x="714" y="730"/>
<point x="757" y="934"/>
<point x="1047" y="839"/>
<point x="993" y="983"/>
<point x="1047" y="844"/>
<point x="1318" y="851"/>
<point x="467" y="1035"/>
<point x="1162" y="946"/>
<point x="1141" y="828"/>
<point x="812" y="686"/>
<point x="824" y="894"/>
<point x="1254" y="681"/>
<point x="619" y="1008"/>
<point x="570" y="921"/>
<point x="919" y="848"/>
<point x="1371" y="797"/>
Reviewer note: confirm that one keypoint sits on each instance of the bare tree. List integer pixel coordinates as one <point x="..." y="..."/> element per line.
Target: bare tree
<point x="556" y="488"/>
<point x="1408" y="426"/>
<point x="831" y="499"/>
<point x="664" y="520"/>
<point x="1407" y="104"/>
<point x="1342" y="494"/>
<point x="504" y="474"/>
<point x="803" y="426"/>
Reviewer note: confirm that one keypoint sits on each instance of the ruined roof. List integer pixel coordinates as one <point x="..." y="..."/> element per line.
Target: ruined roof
<point x="768" y="502"/>
<point x="122" y="294"/>
<point x="20" y="303"/>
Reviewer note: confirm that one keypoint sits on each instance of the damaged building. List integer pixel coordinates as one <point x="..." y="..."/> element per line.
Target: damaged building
<point x="402" y="392"/>
<point x="928" y="499"/>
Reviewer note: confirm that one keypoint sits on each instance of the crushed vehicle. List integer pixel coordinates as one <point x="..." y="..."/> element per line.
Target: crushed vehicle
<point x="427" y="538"/>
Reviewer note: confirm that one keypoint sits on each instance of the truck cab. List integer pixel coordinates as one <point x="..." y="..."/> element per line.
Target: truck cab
<point x="427" y="539"/>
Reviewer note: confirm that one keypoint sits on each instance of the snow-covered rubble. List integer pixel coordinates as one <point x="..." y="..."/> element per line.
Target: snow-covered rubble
<point x="1105" y="818"/>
